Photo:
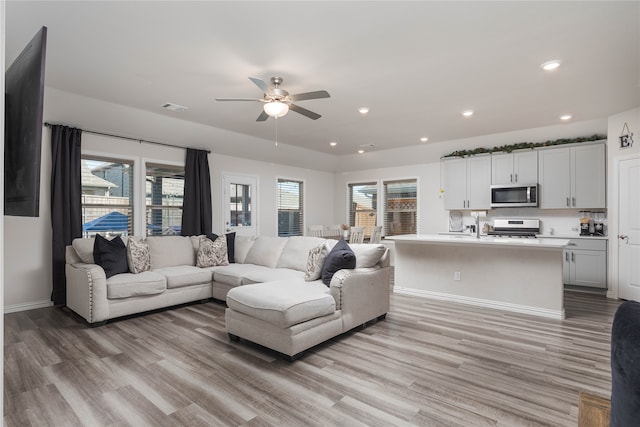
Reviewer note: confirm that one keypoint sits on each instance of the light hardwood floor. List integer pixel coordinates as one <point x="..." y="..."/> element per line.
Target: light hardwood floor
<point x="430" y="363"/>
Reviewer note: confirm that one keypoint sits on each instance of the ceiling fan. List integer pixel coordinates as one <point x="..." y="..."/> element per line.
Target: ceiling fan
<point x="277" y="102"/>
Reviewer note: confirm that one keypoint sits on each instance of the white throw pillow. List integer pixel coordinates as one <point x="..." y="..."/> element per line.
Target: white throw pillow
<point x="367" y="254"/>
<point x="212" y="253"/>
<point x="266" y="251"/>
<point x="138" y="255"/>
<point x="315" y="261"/>
<point x="243" y="246"/>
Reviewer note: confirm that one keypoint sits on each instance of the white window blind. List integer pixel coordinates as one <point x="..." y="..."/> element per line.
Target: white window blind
<point x="107" y="196"/>
<point x="400" y="207"/>
<point x="164" y="199"/>
<point x="363" y="204"/>
<point x="290" y="207"/>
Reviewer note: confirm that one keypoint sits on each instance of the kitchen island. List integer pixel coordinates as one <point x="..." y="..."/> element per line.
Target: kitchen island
<point x="521" y="275"/>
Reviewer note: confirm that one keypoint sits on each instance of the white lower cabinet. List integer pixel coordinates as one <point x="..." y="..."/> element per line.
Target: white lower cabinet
<point x="585" y="263"/>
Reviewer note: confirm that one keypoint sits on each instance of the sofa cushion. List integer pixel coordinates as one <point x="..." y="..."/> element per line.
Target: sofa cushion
<point x="170" y="251"/>
<point x="212" y="253"/>
<point x="230" y="241"/>
<point x="315" y="262"/>
<point x="84" y="248"/>
<point x="272" y="274"/>
<point x="111" y="255"/>
<point x="243" y="245"/>
<point x="296" y="252"/>
<point x="236" y="274"/>
<point x="266" y="251"/>
<point x="367" y="254"/>
<point x="132" y="285"/>
<point x="138" y="256"/>
<point x="184" y="275"/>
<point x="340" y="257"/>
<point x="282" y="303"/>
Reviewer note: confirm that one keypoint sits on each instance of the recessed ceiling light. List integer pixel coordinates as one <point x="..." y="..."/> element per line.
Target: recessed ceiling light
<point x="467" y="113"/>
<point x="363" y="110"/>
<point x="550" y="65"/>
<point x="566" y="117"/>
<point x="424" y="139"/>
<point x="360" y="151"/>
<point x="333" y="143"/>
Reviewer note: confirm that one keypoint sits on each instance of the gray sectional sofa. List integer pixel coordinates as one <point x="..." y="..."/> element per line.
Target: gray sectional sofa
<point x="269" y="301"/>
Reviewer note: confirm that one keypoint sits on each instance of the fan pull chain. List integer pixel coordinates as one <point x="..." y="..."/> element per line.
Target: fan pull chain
<point x="276" y="119"/>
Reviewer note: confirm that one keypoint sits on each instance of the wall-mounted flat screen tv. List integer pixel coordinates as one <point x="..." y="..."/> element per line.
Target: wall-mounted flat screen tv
<point x="24" y="99"/>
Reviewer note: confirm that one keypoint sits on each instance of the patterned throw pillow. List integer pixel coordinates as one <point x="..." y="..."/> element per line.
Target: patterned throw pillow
<point x="315" y="261"/>
<point x="138" y="255"/>
<point x="212" y="253"/>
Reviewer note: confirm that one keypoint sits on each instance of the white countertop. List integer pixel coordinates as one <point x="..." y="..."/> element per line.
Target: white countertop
<point x="466" y="239"/>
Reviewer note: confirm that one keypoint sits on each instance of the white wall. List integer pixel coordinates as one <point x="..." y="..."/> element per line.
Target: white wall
<point x="27" y="270"/>
<point x="423" y="162"/>
<point x="27" y="265"/>
<point x="614" y="155"/>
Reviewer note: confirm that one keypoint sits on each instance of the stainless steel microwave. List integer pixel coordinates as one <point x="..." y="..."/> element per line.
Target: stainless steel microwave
<point x="514" y="195"/>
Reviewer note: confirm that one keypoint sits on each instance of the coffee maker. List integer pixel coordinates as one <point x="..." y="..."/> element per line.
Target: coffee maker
<point x="585" y="223"/>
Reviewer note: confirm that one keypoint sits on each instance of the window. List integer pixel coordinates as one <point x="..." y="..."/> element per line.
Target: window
<point x="363" y="203"/>
<point x="400" y="207"/>
<point x="164" y="197"/>
<point x="240" y="205"/>
<point x="107" y="196"/>
<point x="290" y="208"/>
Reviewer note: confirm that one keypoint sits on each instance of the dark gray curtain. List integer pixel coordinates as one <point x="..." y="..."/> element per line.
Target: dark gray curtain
<point x="66" y="201"/>
<point x="196" y="209"/>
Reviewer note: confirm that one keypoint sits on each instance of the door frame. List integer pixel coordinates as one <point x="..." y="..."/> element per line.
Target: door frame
<point x="613" y="214"/>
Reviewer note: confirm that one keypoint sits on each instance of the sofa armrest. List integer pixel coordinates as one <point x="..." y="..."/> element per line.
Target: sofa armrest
<point x="87" y="291"/>
<point x="362" y="294"/>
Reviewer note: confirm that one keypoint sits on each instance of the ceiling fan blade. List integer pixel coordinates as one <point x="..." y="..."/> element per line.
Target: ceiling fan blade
<point x="310" y="95"/>
<point x="239" y="99"/>
<point x="262" y="117"/>
<point x="304" y="112"/>
<point x="260" y="83"/>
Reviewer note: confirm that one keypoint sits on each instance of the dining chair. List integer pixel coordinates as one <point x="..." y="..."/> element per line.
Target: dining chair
<point x="376" y="234"/>
<point x="334" y="231"/>
<point x="316" y="230"/>
<point x="356" y="235"/>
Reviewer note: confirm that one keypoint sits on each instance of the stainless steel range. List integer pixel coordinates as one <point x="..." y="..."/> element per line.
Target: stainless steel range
<point x="512" y="227"/>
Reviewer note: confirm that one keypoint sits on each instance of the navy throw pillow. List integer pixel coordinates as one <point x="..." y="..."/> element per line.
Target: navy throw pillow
<point x="231" y="244"/>
<point x="111" y="255"/>
<point x="340" y="257"/>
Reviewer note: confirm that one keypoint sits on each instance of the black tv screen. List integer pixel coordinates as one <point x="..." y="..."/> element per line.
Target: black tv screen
<point x="24" y="99"/>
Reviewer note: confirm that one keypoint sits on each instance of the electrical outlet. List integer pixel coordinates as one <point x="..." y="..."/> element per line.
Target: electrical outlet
<point x="456" y="275"/>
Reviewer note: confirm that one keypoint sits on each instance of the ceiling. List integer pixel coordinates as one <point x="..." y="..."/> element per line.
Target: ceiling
<point x="416" y="65"/>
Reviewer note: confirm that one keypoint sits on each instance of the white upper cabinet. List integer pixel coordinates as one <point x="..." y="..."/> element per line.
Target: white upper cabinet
<point x="515" y="168"/>
<point x="467" y="182"/>
<point x="572" y="177"/>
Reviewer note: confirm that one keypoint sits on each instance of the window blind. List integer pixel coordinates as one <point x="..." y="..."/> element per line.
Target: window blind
<point x="164" y="198"/>
<point x="290" y="202"/>
<point x="363" y="204"/>
<point x="400" y="207"/>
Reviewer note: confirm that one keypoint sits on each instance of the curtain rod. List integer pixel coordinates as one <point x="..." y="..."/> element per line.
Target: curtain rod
<point x="129" y="138"/>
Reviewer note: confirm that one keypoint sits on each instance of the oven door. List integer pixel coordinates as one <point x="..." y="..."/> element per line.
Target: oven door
<point x="503" y="196"/>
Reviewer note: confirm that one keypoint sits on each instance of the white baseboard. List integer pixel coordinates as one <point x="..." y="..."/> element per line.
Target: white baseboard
<point x="27" y="306"/>
<point x="554" y="314"/>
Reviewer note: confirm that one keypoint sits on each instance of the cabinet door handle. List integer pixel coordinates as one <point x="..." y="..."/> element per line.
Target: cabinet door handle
<point x="568" y="203"/>
<point x="573" y="257"/>
<point x="566" y="256"/>
<point x="516" y="180"/>
<point x="574" y="201"/>
<point x="510" y="177"/>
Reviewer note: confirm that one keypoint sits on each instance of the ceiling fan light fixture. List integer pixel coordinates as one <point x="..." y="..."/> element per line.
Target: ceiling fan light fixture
<point x="276" y="108"/>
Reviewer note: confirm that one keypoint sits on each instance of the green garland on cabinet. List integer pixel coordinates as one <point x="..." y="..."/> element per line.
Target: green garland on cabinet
<point x="524" y="145"/>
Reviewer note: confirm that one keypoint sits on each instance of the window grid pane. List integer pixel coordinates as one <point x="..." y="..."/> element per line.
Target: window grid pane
<point x="363" y="204"/>
<point x="107" y="196"/>
<point x="290" y="208"/>
<point x="401" y="207"/>
<point x="164" y="199"/>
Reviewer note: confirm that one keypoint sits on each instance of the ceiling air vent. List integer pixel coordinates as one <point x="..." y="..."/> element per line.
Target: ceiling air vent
<point x="175" y="107"/>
